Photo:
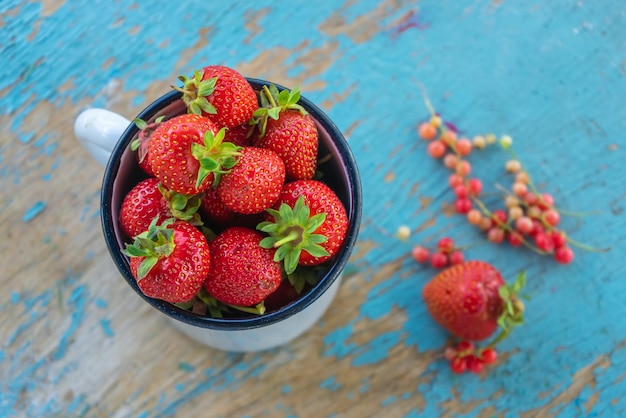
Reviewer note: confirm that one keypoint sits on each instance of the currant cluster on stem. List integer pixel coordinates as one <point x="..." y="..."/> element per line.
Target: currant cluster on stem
<point x="529" y="217"/>
<point x="446" y="254"/>
<point x="465" y="357"/>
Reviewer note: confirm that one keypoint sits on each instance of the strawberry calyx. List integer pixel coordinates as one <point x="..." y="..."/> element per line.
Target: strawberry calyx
<point x="303" y="276"/>
<point x="140" y="144"/>
<point x="215" y="156"/>
<point x="155" y="243"/>
<point x="513" y="308"/>
<point x="183" y="207"/>
<point x="293" y="232"/>
<point x="195" y="91"/>
<point x="273" y="103"/>
<point x="205" y="304"/>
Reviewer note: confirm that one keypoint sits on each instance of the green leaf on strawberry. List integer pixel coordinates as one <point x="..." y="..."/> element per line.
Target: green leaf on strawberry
<point x="215" y="156"/>
<point x="195" y="90"/>
<point x="156" y="242"/>
<point x="183" y="207"/>
<point x="273" y="103"/>
<point x="293" y="232"/>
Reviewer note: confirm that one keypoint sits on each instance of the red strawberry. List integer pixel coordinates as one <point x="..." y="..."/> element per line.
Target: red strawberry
<point x="470" y="300"/>
<point x="287" y="129"/>
<point x="254" y="183"/>
<point x="242" y="272"/>
<point x="238" y="135"/>
<point x="148" y="199"/>
<point x="307" y="224"/>
<point x="141" y="205"/>
<point x="220" y="93"/>
<point x="214" y="210"/>
<point x="140" y="144"/>
<point x="187" y="151"/>
<point x="170" y="261"/>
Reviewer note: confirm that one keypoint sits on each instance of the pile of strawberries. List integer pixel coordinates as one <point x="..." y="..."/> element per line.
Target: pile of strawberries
<point x="231" y="216"/>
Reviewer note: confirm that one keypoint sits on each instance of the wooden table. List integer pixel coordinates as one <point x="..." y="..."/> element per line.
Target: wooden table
<point x="76" y="341"/>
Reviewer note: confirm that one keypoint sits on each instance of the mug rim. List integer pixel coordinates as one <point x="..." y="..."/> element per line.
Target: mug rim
<point x="338" y="265"/>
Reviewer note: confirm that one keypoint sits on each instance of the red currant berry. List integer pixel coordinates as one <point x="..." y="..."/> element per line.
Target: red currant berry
<point x="458" y="365"/>
<point x="495" y="235"/>
<point x="475" y="186"/>
<point x="427" y="131"/>
<point x="450" y="353"/>
<point x="436" y="149"/>
<point x="456" y="257"/>
<point x="545" y="201"/>
<point x="420" y="254"/>
<point x="463" y="168"/>
<point x="454" y="180"/>
<point x="485" y="224"/>
<point x="515" y="239"/>
<point x="537" y="228"/>
<point x="499" y="216"/>
<point x="463" y="205"/>
<point x="448" y="137"/>
<point x="438" y="260"/>
<point x="464" y="146"/>
<point x="551" y="217"/>
<point x="464" y="346"/>
<point x="564" y="255"/>
<point x="544" y="242"/>
<point x="524" y="225"/>
<point x="559" y="238"/>
<point x="450" y="161"/>
<point x="461" y="191"/>
<point x="530" y="198"/>
<point x="475" y="365"/>
<point x="489" y="355"/>
<point x="445" y="245"/>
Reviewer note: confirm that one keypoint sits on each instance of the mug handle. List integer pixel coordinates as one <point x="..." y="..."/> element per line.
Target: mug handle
<point x="98" y="130"/>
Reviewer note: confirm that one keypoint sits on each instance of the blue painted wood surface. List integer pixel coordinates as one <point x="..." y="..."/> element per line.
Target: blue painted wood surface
<point x="76" y="342"/>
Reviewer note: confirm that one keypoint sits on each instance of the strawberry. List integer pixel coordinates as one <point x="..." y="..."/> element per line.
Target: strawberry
<point x="187" y="153"/>
<point x="286" y="128"/>
<point x="143" y="203"/>
<point x="240" y="135"/>
<point x="254" y="184"/>
<point x="471" y="300"/>
<point x="148" y="199"/>
<point x="307" y="224"/>
<point x="242" y="272"/>
<point x="170" y="261"/>
<point x="220" y="93"/>
<point x="140" y="144"/>
<point x="214" y="210"/>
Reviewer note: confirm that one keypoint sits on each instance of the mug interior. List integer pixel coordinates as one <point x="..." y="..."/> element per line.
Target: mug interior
<point x="340" y="173"/>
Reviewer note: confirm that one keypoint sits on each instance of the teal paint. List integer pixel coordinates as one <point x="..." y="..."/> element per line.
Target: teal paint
<point x="105" y="324"/>
<point x="330" y="384"/>
<point x="34" y="211"/>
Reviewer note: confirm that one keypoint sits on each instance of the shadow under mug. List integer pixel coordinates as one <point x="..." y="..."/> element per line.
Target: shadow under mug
<point x="107" y="137"/>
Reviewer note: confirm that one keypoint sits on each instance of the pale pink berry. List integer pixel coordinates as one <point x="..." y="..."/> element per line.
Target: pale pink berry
<point x="479" y="142"/>
<point x="463" y="168"/>
<point x="475" y="186"/>
<point x="420" y="254"/>
<point x="519" y="188"/>
<point x="436" y="149"/>
<point x="513" y="166"/>
<point x="511" y="201"/>
<point x="524" y="224"/>
<point x="464" y="146"/>
<point x="474" y="216"/>
<point x="450" y="161"/>
<point x="454" y="180"/>
<point x="522" y="177"/>
<point x="495" y="235"/>
<point x="551" y="217"/>
<point x="515" y="212"/>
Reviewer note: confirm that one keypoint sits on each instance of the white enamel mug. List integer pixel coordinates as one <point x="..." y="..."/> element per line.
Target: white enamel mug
<point x="107" y="137"/>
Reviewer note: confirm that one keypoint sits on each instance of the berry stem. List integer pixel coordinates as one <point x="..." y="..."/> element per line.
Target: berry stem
<point x="269" y="96"/>
<point x="292" y="236"/>
<point x="507" y="227"/>
<point x="587" y="247"/>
